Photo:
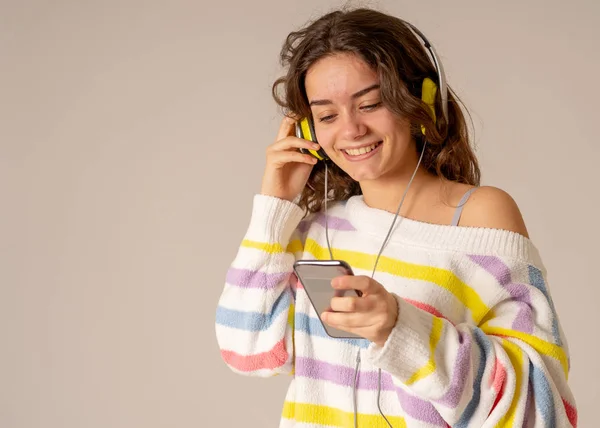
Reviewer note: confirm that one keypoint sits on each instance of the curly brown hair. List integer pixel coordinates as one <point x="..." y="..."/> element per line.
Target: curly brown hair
<point x="390" y="47"/>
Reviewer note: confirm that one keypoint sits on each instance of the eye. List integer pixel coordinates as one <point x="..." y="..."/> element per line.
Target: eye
<point x="371" y="107"/>
<point x="327" y="118"/>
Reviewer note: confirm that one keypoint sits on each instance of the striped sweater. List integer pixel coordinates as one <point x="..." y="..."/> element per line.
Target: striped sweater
<point x="477" y="341"/>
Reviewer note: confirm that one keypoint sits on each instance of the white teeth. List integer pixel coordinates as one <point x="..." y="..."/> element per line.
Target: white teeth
<point x="362" y="150"/>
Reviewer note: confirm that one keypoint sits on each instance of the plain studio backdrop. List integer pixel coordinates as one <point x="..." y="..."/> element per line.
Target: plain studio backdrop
<point x="132" y="138"/>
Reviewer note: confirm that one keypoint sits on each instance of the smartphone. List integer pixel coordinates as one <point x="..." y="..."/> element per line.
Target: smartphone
<point x="315" y="277"/>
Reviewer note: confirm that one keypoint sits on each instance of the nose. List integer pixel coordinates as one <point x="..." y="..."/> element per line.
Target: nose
<point x="352" y="128"/>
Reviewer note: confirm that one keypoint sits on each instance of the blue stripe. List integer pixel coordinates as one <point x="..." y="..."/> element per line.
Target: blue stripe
<point x="537" y="280"/>
<point x="542" y="393"/>
<point x="313" y="327"/>
<point x="254" y="321"/>
<point x="485" y="348"/>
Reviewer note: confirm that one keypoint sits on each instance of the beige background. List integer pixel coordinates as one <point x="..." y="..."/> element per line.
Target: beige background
<point x="132" y="137"/>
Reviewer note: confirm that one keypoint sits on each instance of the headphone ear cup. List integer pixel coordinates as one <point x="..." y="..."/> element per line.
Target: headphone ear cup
<point x="428" y="92"/>
<point x="305" y="129"/>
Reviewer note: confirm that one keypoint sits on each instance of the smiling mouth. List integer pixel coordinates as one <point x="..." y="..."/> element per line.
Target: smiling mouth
<point x="362" y="150"/>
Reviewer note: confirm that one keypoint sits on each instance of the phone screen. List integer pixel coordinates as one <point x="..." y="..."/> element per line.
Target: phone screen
<point x="315" y="276"/>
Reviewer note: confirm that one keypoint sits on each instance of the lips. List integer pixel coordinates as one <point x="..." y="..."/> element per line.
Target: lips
<point x="362" y="150"/>
<point x="360" y="153"/>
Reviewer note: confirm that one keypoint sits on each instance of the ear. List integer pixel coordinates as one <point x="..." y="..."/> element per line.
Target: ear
<point x="428" y="91"/>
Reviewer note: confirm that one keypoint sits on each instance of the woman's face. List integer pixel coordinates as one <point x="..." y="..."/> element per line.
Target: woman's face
<point x="360" y="134"/>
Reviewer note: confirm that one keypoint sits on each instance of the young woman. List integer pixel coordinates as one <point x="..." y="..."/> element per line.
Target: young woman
<point x="456" y="321"/>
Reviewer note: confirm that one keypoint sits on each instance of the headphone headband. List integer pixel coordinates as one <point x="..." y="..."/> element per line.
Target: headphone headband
<point x="438" y="67"/>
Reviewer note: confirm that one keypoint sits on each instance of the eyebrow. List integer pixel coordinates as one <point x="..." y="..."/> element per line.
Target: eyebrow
<point x="354" y="96"/>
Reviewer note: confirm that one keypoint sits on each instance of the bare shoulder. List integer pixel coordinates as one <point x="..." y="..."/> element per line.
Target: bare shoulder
<point x="494" y="208"/>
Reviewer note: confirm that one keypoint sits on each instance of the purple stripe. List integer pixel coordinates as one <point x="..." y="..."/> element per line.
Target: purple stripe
<point x="419" y="409"/>
<point x="460" y="373"/>
<point x="255" y="279"/>
<point x="367" y="380"/>
<point x="495" y="266"/>
<point x="333" y="223"/>
<point x="519" y="292"/>
<point x="340" y="375"/>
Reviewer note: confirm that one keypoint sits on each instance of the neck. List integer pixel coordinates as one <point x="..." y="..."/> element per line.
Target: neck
<point x="386" y="193"/>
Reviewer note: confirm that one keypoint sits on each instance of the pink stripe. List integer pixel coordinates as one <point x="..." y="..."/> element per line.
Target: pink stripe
<point x="295" y="283"/>
<point x="571" y="412"/>
<point x="427" y="308"/>
<point x="498" y="379"/>
<point x="499" y="376"/>
<point x="272" y="359"/>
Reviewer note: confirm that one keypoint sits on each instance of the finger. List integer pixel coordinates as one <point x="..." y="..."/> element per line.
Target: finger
<point x="361" y="283"/>
<point x="293" y="143"/>
<point x="346" y="320"/>
<point x="350" y="304"/>
<point x="282" y="158"/>
<point x="285" y="128"/>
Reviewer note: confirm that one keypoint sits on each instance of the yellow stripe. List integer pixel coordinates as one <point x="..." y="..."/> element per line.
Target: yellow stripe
<point x="536" y="343"/>
<point x="515" y="354"/>
<point x="329" y="416"/>
<point x="441" y="277"/>
<point x="295" y="246"/>
<point x="273" y="248"/>
<point x="434" y="338"/>
<point x="292" y="322"/>
<point x="291" y="318"/>
<point x="264" y="246"/>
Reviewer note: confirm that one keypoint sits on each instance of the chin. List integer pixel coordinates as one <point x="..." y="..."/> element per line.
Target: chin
<point x="364" y="175"/>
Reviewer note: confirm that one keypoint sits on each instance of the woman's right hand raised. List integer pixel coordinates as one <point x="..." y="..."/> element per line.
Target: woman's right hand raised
<point x="287" y="170"/>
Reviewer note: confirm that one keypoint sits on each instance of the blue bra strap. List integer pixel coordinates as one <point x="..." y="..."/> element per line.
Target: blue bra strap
<point x="461" y="204"/>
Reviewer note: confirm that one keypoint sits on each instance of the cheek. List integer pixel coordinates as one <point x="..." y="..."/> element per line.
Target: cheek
<point x="403" y="128"/>
<point x="325" y="137"/>
<point x="394" y="126"/>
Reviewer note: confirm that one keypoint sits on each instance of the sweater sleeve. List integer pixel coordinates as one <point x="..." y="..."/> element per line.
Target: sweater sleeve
<point x="509" y="368"/>
<point x="254" y="317"/>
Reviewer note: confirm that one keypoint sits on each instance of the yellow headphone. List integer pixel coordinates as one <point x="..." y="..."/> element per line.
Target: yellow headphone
<point x="306" y="129"/>
<point x="428" y="92"/>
